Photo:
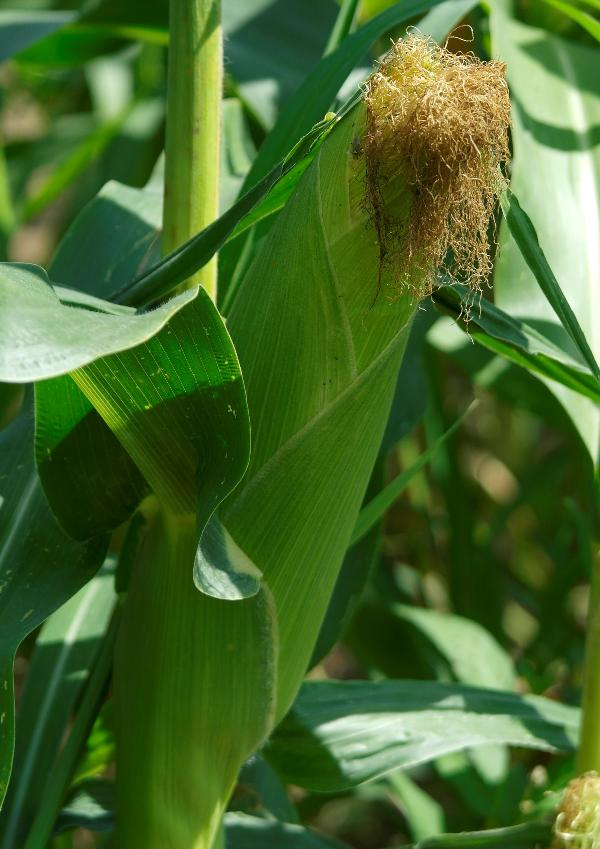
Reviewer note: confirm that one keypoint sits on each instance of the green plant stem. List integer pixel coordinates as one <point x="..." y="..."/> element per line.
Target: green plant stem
<point x="181" y="736"/>
<point x="588" y="756"/>
<point x="193" y="128"/>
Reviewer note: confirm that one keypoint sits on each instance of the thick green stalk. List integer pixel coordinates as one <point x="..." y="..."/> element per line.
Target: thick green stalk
<point x="188" y="709"/>
<point x="588" y="757"/>
<point x="193" y="127"/>
<point x="179" y="747"/>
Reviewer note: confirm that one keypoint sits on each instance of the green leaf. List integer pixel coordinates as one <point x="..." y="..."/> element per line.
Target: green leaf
<point x="473" y="655"/>
<point x="47" y="812"/>
<point x="344" y="24"/>
<point x="585" y="20"/>
<point x="244" y="832"/>
<point x="90" y="806"/>
<point x="40" y="568"/>
<point x="11" y="396"/>
<point x="117" y="235"/>
<point x="91" y="482"/>
<point x="19" y="30"/>
<point x="177" y="405"/>
<point x="261" y="792"/>
<point x="317" y="356"/>
<point x="114" y="236"/>
<point x="179" y="265"/>
<point x="65" y="649"/>
<point x="317" y="92"/>
<point x="517" y="341"/>
<point x="530" y="834"/>
<point x="376" y="508"/>
<point x="425" y="816"/>
<point x="556" y="176"/>
<point x="340" y="734"/>
<point x="523" y="232"/>
<point x="41" y="337"/>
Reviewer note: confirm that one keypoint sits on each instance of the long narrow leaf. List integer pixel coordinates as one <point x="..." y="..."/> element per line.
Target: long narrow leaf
<point x="585" y="20"/>
<point x="40" y="567"/>
<point x="374" y="511"/>
<point x="343" y="25"/>
<point x="340" y="734"/>
<point x="315" y="96"/>
<point x="65" y="649"/>
<point x="556" y="107"/>
<point x="529" y="834"/>
<point x="43" y="823"/>
<point x="524" y="234"/>
<point x="515" y="340"/>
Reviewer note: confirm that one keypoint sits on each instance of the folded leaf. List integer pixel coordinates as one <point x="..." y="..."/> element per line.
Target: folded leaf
<point x="40" y="337"/>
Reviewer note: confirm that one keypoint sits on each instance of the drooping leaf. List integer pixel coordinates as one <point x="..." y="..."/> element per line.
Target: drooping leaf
<point x="556" y="176"/>
<point x="114" y="236"/>
<point x="523" y="232"/>
<point x="91" y="482"/>
<point x="518" y="341"/>
<point x="339" y="734"/>
<point x="177" y="404"/>
<point x="40" y="337"/>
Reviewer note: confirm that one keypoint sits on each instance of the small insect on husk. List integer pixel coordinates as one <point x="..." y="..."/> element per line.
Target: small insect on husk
<point x="577" y="823"/>
<point x="440" y="121"/>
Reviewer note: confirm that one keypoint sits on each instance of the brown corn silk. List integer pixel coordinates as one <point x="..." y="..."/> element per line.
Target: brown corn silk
<point x="440" y="120"/>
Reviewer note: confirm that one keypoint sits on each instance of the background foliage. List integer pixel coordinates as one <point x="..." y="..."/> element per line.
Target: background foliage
<point x="478" y="573"/>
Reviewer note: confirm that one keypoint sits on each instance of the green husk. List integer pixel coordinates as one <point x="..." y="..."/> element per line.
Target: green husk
<point x="320" y="324"/>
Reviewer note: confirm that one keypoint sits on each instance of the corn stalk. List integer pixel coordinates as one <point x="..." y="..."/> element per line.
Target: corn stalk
<point x="320" y="324"/>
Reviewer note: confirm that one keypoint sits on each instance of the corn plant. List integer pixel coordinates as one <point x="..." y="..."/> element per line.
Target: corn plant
<point x="208" y="398"/>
